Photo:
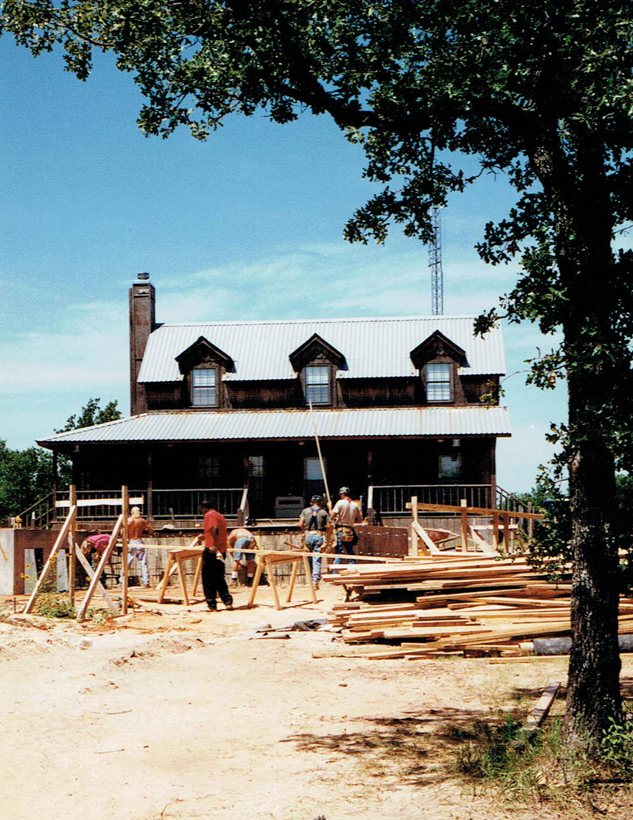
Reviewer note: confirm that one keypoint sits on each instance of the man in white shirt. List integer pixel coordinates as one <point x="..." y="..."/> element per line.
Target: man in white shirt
<point x="345" y="514"/>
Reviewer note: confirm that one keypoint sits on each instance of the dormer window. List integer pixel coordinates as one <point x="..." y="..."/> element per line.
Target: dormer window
<point x="204" y="387"/>
<point x="438" y="382"/>
<point x="317" y="389"/>
<point x="316" y="363"/>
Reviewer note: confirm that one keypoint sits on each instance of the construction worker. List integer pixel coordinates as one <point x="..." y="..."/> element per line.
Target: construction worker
<point x="214" y="540"/>
<point x="314" y="522"/>
<point x="137" y="527"/>
<point x="346" y="513"/>
<point x="239" y="540"/>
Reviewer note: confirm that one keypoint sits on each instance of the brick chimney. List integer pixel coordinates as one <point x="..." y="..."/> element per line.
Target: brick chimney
<point x="142" y="322"/>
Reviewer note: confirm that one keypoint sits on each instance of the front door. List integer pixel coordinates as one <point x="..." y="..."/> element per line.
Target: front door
<point x="313" y="481"/>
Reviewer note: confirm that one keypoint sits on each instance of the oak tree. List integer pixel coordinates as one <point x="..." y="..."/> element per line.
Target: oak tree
<point x="538" y="90"/>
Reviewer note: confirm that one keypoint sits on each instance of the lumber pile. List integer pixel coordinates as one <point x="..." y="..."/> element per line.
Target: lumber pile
<point x="454" y="605"/>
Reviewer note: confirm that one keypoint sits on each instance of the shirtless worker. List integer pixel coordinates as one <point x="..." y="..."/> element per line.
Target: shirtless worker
<point x="214" y="540"/>
<point x="137" y="526"/>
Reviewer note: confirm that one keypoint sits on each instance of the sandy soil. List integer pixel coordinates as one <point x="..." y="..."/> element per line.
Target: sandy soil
<point x="185" y="715"/>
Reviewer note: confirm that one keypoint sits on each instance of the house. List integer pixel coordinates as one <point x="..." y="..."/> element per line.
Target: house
<point x="229" y="410"/>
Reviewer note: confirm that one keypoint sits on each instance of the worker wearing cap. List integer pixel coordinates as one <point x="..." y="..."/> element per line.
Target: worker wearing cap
<point x="314" y="522"/>
<point x="346" y="513"/>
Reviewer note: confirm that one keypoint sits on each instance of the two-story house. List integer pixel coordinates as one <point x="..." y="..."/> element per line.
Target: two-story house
<point x="401" y="406"/>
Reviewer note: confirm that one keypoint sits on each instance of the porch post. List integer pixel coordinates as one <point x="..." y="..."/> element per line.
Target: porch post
<point x="150" y="488"/>
<point x="371" y="517"/>
<point x="54" y="487"/>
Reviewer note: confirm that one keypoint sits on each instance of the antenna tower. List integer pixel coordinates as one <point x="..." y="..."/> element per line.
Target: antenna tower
<point x="435" y="263"/>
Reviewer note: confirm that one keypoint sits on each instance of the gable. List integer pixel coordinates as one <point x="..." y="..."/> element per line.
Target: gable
<point x="437" y="346"/>
<point x="316" y="349"/>
<point x="202" y="351"/>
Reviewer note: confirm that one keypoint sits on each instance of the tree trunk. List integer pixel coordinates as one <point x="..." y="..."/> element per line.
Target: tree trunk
<point x="594" y="373"/>
<point x="593" y="694"/>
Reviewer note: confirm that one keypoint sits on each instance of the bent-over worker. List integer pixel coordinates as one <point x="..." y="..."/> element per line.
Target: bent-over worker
<point x="239" y="540"/>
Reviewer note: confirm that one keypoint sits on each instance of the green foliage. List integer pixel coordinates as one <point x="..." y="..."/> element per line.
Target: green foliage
<point x="25" y="476"/>
<point x="92" y="414"/>
<point x="616" y="749"/>
<point x="98" y="615"/>
<point x="437" y="93"/>
<point x="545" y="768"/>
<point x="55" y="605"/>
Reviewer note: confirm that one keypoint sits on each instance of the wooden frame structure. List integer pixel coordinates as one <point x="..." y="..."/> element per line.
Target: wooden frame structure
<point x="68" y="533"/>
<point x="501" y="525"/>
<point x="267" y="559"/>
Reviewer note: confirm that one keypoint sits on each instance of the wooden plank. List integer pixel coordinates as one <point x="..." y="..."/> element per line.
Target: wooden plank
<point x="100" y="502"/>
<point x="429" y="544"/>
<point x="541" y="708"/>
<point x="484" y="512"/>
<point x="100" y="588"/>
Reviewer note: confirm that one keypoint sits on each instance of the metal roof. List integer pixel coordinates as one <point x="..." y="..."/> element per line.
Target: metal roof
<point x="294" y="424"/>
<point x="372" y="347"/>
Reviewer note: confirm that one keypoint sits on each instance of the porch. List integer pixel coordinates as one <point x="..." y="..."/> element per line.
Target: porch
<point x="180" y="508"/>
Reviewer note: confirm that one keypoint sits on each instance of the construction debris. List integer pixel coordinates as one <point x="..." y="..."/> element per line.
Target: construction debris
<point x="445" y="605"/>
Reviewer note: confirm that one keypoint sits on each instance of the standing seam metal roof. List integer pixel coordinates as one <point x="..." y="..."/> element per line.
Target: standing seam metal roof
<point x="295" y="424"/>
<point x="377" y="347"/>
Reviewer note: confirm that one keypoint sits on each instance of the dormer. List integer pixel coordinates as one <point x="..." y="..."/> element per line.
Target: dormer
<point x="316" y="363"/>
<point x="202" y="364"/>
<point x="437" y="359"/>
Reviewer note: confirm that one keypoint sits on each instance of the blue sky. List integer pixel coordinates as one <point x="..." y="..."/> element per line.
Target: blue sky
<point x="247" y="225"/>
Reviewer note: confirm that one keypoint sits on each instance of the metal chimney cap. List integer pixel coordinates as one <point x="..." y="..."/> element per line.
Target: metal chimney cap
<point x="143" y="277"/>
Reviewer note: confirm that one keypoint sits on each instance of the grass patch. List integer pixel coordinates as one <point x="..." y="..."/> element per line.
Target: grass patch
<point x="494" y="754"/>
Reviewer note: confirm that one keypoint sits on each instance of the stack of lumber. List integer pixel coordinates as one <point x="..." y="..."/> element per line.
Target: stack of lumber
<point x="468" y="605"/>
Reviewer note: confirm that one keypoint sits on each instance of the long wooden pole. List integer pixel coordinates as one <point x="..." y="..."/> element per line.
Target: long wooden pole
<point x="318" y="444"/>
<point x="125" y="496"/>
<point x="72" y="535"/>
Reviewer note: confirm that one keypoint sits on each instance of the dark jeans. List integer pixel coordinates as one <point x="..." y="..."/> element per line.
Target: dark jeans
<point x="213" y="580"/>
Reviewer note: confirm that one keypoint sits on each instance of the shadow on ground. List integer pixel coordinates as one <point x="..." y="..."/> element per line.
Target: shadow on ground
<point x="421" y="747"/>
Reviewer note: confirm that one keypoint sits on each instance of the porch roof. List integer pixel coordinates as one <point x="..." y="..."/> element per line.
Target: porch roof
<point x="297" y="424"/>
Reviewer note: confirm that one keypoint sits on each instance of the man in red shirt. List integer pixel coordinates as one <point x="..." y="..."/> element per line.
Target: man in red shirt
<point x="214" y="538"/>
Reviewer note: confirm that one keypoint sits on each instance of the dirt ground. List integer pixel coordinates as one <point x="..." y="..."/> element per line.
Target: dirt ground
<point x="185" y="715"/>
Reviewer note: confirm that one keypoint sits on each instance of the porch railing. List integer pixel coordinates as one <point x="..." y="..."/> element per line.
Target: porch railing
<point x="185" y="504"/>
<point x="393" y="499"/>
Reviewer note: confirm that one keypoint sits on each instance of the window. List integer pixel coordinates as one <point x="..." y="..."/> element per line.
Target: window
<point x="438" y="382"/>
<point x="208" y="468"/>
<point x="256" y="466"/>
<point x="318" y="384"/>
<point x="203" y="387"/>
<point x="451" y="466"/>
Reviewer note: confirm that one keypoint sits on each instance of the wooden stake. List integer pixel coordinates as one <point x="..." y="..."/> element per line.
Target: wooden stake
<point x="72" y="497"/>
<point x="464" y="516"/>
<point x="91" y="574"/>
<point x="52" y="558"/>
<point x="125" y="502"/>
